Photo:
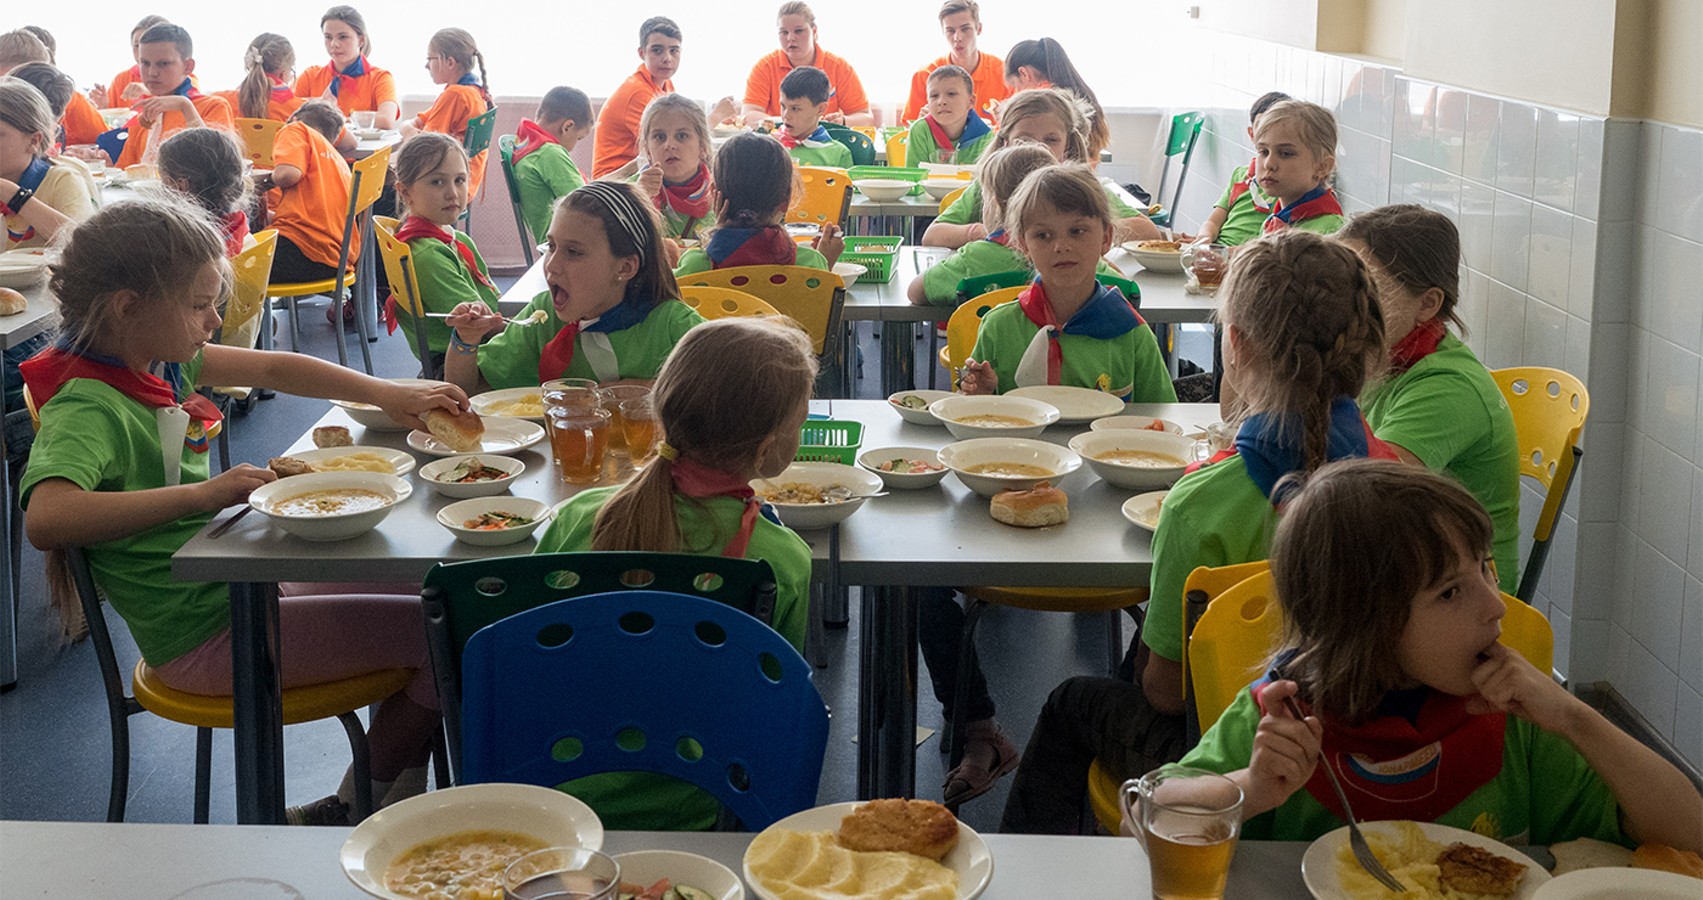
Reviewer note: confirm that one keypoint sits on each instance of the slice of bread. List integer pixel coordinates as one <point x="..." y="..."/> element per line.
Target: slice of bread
<point x="461" y="432"/>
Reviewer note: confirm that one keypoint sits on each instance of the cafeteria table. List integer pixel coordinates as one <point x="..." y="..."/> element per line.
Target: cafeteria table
<point x="15" y="330"/>
<point x="231" y="862"/>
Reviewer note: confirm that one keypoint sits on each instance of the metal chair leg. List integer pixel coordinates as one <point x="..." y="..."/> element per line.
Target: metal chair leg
<point x="203" y="773"/>
<point x="119" y="790"/>
<point x="295" y="326"/>
<point x="440" y="759"/>
<point x="1114" y="641"/>
<point x="363" y="775"/>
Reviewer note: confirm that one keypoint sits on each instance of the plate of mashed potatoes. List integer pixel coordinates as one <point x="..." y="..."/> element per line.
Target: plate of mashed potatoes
<point x="882" y="848"/>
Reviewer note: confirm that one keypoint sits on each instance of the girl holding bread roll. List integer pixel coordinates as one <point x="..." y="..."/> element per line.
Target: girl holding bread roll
<point x="1303" y="334"/>
<point x="120" y="468"/>
<point x="730" y="400"/>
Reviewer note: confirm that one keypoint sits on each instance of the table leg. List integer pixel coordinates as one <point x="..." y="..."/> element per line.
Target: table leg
<point x="887" y="694"/>
<point x="257" y="704"/>
<point x="8" y="567"/>
<point x="898" y="357"/>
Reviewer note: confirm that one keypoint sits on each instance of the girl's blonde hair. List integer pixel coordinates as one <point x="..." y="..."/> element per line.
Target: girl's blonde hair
<point x="419" y="155"/>
<point x="20" y="46"/>
<point x="268" y="54"/>
<point x="1060" y="104"/>
<point x="1314" y="125"/>
<point x="796" y="8"/>
<point x="351" y="17"/>
<point x="1070" y="188"/>
<point x="726" y="387"/>
<point x="458" y="44"/>
<point x="1001" y="171"/>
<point x="209" y="161"/>
<point x="684" y="105"/>
<point x="1355" y="546"/>
<point x="24" y="108"/>
<point x="1309" y="327"/>
<point x="654" y="282"/>
<point x="1418" y="248"/>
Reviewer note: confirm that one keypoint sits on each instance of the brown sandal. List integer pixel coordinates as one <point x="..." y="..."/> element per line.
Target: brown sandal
<point x="973" y="777"/>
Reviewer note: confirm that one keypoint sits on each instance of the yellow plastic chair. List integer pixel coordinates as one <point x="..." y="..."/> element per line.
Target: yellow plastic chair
<point x="366" y="182"/>
<point x="826" y="199"/>
<point x="1549" y="408"/>
<point x="965" y="324"/>
<point x="253" y="268"/>
<point x="950" y="199"/>
<point x="404" y="287"/>
<point x="812" y="297"/>
<point x="898" y="149"/>
<point x="258" y="136"/>
<point x="722" y="303"/>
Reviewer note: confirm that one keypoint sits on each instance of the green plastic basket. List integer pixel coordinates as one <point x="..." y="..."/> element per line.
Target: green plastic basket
<point x="829" y="440"/>
<point x="878" y="254"/>
<point x="899" y="173"/>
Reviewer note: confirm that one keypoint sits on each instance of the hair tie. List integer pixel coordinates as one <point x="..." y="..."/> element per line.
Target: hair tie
<point x="252" y="58"/>
<point x="628" y="214"/>
<point x="666" y="451"/>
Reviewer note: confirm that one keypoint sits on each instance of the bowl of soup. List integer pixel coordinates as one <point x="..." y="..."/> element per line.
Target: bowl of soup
<point x="1156" y="256"/>
<point x="990" y="465"/>
<point x="460" y="839"/>
<point x="330" y="506"/>
<point x="1134" y="458"/>
<point x="938" y="188"/>
<point x="494" y="521"/>
<point x="987" y="416"/>
<point x="371" y="416"/>
<point x="811" y="495"/>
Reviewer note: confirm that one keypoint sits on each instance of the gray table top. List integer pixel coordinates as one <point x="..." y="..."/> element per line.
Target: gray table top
<point x="35" y="318"/>
<point x="249" y="862"/>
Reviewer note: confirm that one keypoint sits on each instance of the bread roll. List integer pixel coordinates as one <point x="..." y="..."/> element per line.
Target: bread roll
<point x="461" y="432"/>
<point x="1588" y="853"/>
<point x="12" y="302"/>
<point x="332" y="436"/>
<point x="1667" y="859"/>
<point x="1043" y="506"/>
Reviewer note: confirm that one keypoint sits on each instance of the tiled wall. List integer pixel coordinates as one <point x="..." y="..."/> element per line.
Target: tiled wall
<point x="1580" y="239"/>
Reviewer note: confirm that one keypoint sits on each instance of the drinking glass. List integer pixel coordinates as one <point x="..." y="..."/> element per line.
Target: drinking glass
<point x="571" y="393"/>
<point x="639" y="427"/>
<point x="1188" y="821"/>
<point x="364" y="119"/>
<point x="1208" y="262"/>
<point x="579" y="439"/>
<point x="613" y="397"/>
<point x="562" y="873"/>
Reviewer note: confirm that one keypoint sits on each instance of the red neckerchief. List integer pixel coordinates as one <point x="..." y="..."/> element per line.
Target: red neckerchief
<point x="1393" y="768"/>
<point x="418" y="227"/>
<point x="941" y="139"/>
<point x="1246" y="186"/>
<point x="529" y="137"/>
<point x="1319" y="201"/>
<point x="1034" y="304"/>
<point x="48" y="371"/>
<point x="691" y="198"/>
<point x="1419" y="343"/>
<point x="698" y="480"/>
<point x="558" y="353"/>
<point x="281" y="92"/>
<point x="766" y="246"/>
<point x="790" y="140"/>
<point x="1203" y="463"/>
<point x="235" y="227"/>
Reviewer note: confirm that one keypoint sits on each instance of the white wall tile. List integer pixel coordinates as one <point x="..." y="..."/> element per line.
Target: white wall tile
<point x="1658" y="592"/>
<point x="1601" y="473"/>
<point x="1516" y="148"/>
<point x="1557" y="169"/>
<point x="1695" y="567"/>
<point x="1650" y="136"/>
<point x="1651" y="687"/>
<point x="1577" y="359"/>
<point x="1549" y="266"/>
<point x="1671" y="397"/>
<point x="1587" y="192"/>
<point x="1561" y="625"/>
<point x="1620" y="659"/>
<point x="1617" y="271"/>
<point x="1505" y="330"/>
<point x="1688" y="725"/>
<point x="1510" y="245"/>
<point x="1582" y="274"/>
<point x="1679" y="197"/>
<point x="1450" y="129"/>
<point x="1476" y="223"/>
<point x="1691" y="635"/>
<point x="1623" y="600"/>
<point x="1546" y="335"/>
<point x="1621" y="138"/>
<point x="1609" y="372"/>
<point x="1474" y="307"/>
<point x="1413" y="127"/>
<point x="1637" y="376"/>
<point x="1664" y="503"/>
<point x="1559" y="574"/>
<point x="1587" y="663"/>
<point x="1479" y="151"/>
<point x="1669" y="286"/>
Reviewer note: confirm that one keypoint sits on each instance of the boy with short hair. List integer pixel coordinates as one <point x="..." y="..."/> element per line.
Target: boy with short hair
<point x="952" y="132"/>
<point x="166" y="58"/>
<point x="961" y="22"/>
<point x="1242" y="210"/>
<point x="79" y="121"/>
<point x="543" y="170"/>
<point x="314" y="181"/>
<point x="618" y="138"/>
<point x="804" y="99"/>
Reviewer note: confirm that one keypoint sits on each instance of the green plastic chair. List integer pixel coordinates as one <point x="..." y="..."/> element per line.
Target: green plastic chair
<point x="1185" y="131"/>
<point x="477" y="141"/>
<point x="461" y="598"/>
<point x="505" y="149"/>
<point x="861" y="147"/>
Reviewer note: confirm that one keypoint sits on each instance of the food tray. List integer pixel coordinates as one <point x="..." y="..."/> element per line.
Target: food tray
<point x="830" y="441"/>
<point x="878" y="254"/>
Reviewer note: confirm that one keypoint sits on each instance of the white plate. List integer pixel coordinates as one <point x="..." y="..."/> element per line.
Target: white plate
<point x="502" y="435"/>
<point x="1612" y="884"/>
<point x="482" y="403"/>
<point x="23" y="268"/>
<point x="1075" y="405"/>
<point x="849" y="271"/>
<point x="549" y="815"/>
<point x="1154" y="260"/>
<point x="971" y="859"/>
<point x="402" y="463"/>
<point x="1142" y="510"/>
<point x="1318" y="866"/>
<point x="647" y="867"/>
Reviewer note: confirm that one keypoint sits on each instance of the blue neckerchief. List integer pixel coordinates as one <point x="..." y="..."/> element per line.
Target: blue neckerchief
<point x="354" y="70"/>
<point x="1270" y="445"/>
<point x="820" y="135"/>
<point x="183" y="89"/>
<point x="1105" y="316"/>
<point x="768" y="512"/>
<point x="33" y="174"/>
<point x="170" y="373"/>
<point x="629" y="312"/>
<point x="469" y="79"/>
<point x="974" y="128"/>
<point x="726" y="239"/>
<point x="1283" y="215"/>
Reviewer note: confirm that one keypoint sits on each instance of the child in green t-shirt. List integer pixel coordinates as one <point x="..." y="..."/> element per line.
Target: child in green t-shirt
<point x="754" y="186"/>
<point x="1395" y="677"/>
<point x="1295" y="149"/>
<point x="952" y="132"/>
<point x="1242" y="209"/>
<point x="804" y="98"/>
<point x="1000" y="172"/>
<point x="543" y="170"/>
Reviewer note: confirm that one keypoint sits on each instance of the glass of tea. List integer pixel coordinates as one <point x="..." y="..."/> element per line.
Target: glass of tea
<point x="640" y="428"/>
<point x="562" y="873"/>
<point x="1208" y="262"/>
<point x="614" y="396"/>
<point x="1188" y="820"/>
<point x="579" y="439"/>
<point x="581" y="393"/>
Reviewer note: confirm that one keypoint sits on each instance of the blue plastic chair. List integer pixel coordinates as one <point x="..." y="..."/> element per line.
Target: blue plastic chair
<point x="645" y="681"/>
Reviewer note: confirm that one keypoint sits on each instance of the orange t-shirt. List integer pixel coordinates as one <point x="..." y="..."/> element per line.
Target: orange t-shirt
<point x="311" y="211"/>
<point x="845" y="91"/>
<point x="363" y="93"/>
<point x="276" y="110"/>
<point x="81" y="121"/>
<point x="457" y="104"/>
<point x="988" y="78"/>
<point x="618" y="136"/>
<point x="214" y="111"/>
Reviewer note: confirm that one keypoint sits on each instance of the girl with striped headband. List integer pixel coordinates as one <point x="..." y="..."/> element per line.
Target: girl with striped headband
<point x="612" y="311"/>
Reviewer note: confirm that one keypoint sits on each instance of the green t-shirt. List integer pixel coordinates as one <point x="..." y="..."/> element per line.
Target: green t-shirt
<point x="646" y="801"/>
<point x="543" y="176"/>
<point x="1128" y="366"/>
<point x="1215" y="516"/>
<point x="100" y="440"/>
<point x="1448" y="411"/>
<point x="984" y="257"/>
<point x="832" y="154"/>
<point x="1247" y="211"/>
<point x="696" y="260"/>
<point x="921" y="148"/>
<point x="511" y="358"/>
<point x="1326" y="225"/>
<point x="1545" y="794"/>
<point x="445" y="281"/>
<point x="967" y="209"/>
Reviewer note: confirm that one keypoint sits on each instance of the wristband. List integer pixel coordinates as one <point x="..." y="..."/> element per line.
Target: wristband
<point x="15" y="205"/>
<point x="459" y="345"/>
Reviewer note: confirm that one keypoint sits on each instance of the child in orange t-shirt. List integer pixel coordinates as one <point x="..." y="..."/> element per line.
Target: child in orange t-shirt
<point x="265" y="93"/>
<point x="450" y="58"/>
<point x="314" y="180"/>
<point x="350" y="80"/>
<point x="167" y="59"/>
<point x="118" y="91"/>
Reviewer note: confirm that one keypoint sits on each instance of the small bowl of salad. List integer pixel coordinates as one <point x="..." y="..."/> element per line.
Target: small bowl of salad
<point x="673" y="875"/>
<point x="472" y="475"/>
<point x="494" y="521"/>
<point x="912" y="406"/>
<point x="904" y="468"/>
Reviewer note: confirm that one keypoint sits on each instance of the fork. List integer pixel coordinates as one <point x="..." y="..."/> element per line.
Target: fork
<point x="517" y="320"/>
<point x="1356" y="840"/>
